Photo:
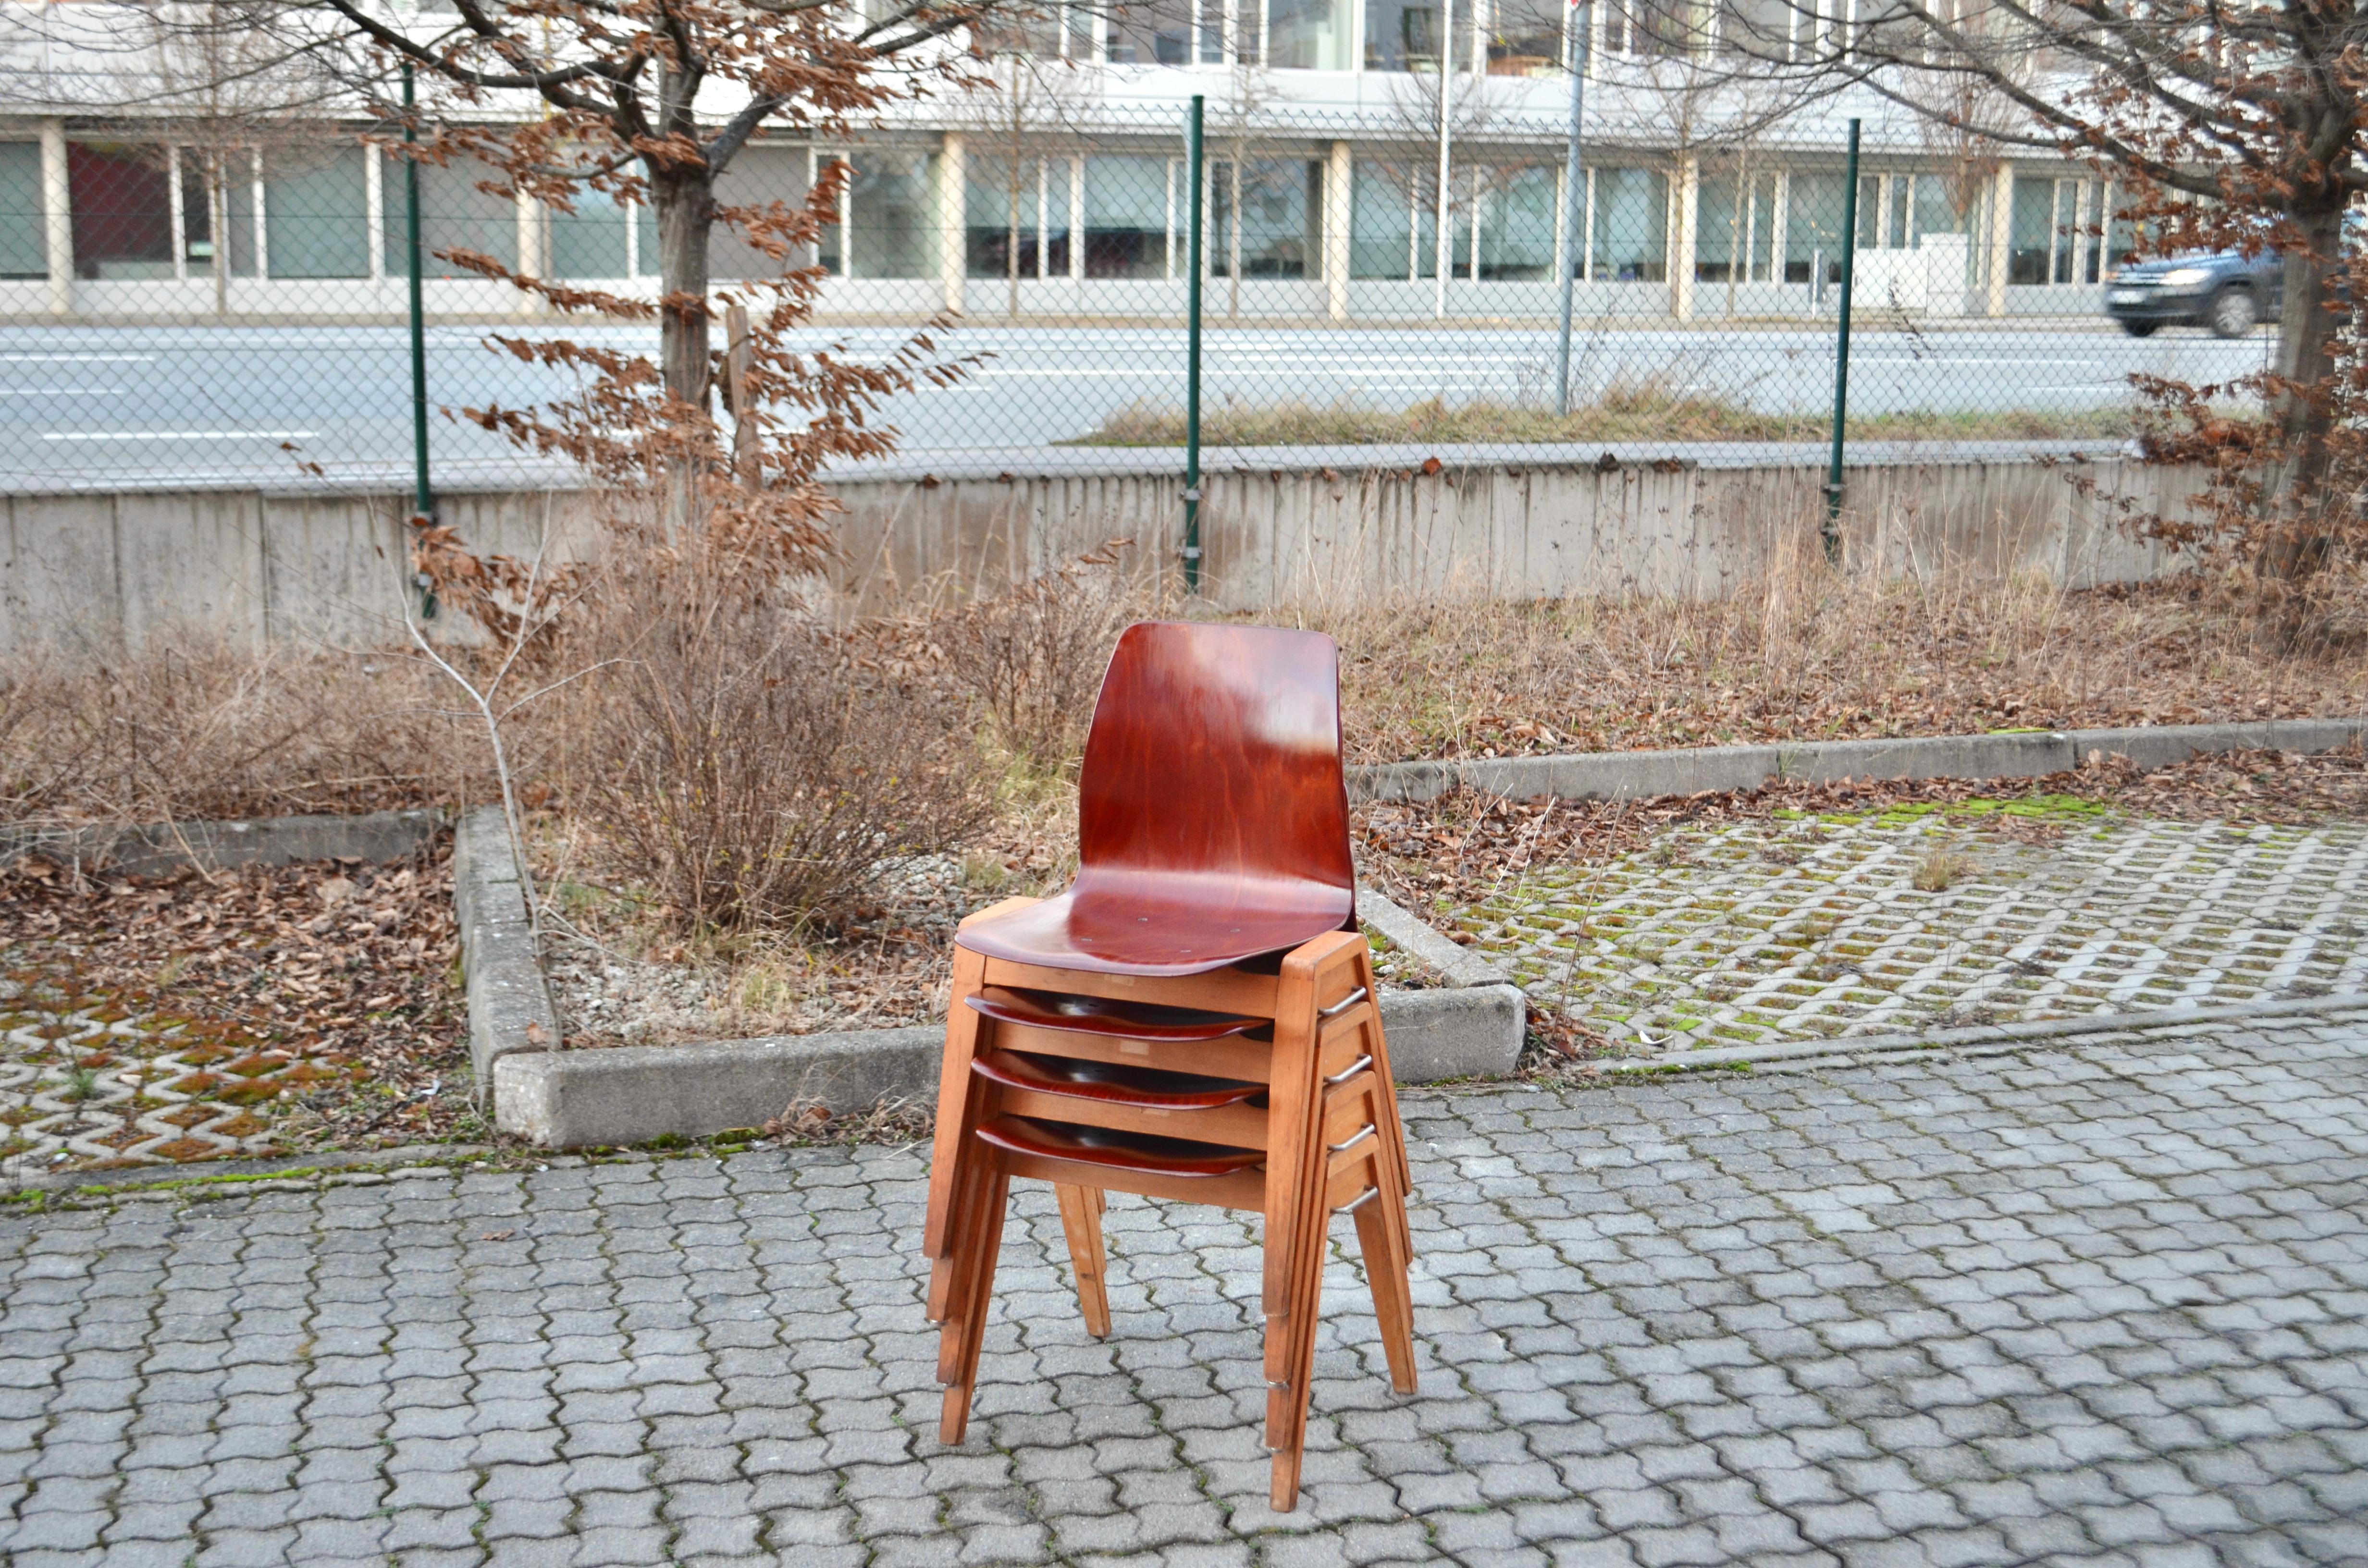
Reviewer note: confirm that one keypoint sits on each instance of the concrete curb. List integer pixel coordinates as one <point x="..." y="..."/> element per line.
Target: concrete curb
<point x="1641" y="775"/>
<point x="1460" y="966"/>
<point x="1847" y="1051"/>
<point x="265" y="841"/>
<point x="577" y="1099"/>
<point x="509" y="1003"/>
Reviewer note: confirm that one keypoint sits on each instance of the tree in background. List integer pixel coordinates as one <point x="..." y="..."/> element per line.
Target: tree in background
<point x="2228" y="126"/>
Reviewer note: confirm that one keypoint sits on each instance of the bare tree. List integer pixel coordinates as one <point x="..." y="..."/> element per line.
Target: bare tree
<point x="2226" y="125"/>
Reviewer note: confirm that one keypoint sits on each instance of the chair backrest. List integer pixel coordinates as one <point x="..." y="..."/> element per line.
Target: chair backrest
<point x="1214" y="767"/>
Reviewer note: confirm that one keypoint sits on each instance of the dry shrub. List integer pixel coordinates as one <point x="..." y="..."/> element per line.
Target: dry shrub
<point x="749" y="764"/>
<point x="1032" y="657"/>
<point x="196" y="727"/>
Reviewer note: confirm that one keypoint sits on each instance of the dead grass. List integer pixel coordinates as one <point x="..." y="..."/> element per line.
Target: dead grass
<point x="199" y="728"/>
<point x="1810" y="655"/>
<point x="1646" y="412"/>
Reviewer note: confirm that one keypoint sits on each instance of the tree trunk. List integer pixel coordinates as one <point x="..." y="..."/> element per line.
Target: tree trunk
<point x="2296" y="544"/>
<point x="684" y="197"/>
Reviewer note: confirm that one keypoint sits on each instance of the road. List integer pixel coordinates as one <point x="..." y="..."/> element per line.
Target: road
<point x="2100" y="1305"/>
<point x="144" y="407"/>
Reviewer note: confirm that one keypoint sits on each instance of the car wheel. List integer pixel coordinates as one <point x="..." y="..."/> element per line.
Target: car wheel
<point x="2233" y="314"/>
<point x="2140" y="328"/>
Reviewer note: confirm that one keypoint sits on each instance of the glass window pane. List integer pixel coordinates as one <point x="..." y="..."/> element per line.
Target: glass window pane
<point x="890" y="211"/>
<point x="1631" y="234"/>
<point x="316" y="213"/>
<point x="1280" y="200"/>
<point x="1756" y="29"/>
<point x="24" y="252"/>
<point x="1126" y="217"/>
<point x="1935" y="212"/>
<point x="589" y="242"/>
<point x="1517" y="217"/>
<point x="2031" y="224"/>
<point x="1813" y="228"/>
<point x="1525" y="39"/>
<point x="1307" y="35"/>
<point x="1151" y="32"/>
<point x="759" y="176"/>
<point x="1380" y="215"/>
<point x="1403" y="35"/>
<point x="122" y="209"/>
<point x="453" y="215"/>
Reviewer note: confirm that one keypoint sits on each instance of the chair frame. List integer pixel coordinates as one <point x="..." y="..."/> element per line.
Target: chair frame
<point x="1331" y="1137"/>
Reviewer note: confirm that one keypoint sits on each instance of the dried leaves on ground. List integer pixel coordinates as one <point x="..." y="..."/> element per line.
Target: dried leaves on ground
<point x="326" y="984"/>
<point x="1454" y="850"/>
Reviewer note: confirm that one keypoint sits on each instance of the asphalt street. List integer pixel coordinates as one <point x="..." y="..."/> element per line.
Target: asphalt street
<point x="137" y="406"/>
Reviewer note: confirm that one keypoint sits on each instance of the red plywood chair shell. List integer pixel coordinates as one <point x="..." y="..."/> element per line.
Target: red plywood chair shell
<point x="1212" y="825"/>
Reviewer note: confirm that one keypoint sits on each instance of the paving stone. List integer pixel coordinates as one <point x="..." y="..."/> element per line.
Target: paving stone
<point x="1954" y="1313"/>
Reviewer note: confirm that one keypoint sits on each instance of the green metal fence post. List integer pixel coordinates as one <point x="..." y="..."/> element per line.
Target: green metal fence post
<point x="424" y="499"/>
<point x="1833" y="530"/>
<point x="1193" y="359"/>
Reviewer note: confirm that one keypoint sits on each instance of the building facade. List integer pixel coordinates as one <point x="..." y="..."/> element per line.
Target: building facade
<point x="1705" y="196"/>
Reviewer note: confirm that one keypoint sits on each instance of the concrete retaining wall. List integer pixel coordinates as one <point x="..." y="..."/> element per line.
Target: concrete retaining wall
<point x="103" y="571"/>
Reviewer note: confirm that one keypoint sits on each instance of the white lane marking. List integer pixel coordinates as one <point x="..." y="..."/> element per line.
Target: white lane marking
<point x="179" y="435"/>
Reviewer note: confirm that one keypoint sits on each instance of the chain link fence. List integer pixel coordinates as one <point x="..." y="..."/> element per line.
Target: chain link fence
<point x="175" y="315"/>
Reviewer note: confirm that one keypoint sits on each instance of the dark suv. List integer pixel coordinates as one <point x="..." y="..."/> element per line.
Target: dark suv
<point x="2225" y="290"/>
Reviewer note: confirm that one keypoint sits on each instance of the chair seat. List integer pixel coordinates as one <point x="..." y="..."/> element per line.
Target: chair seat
<point x="1098" y="1016"/>
<point x="1151" y="1088"/>
<point x="1153" y="926"/>
<point x="1119" y="1150"/>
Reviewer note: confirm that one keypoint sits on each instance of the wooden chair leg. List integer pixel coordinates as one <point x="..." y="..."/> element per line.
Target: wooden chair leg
<point x="1386" y="1271"/>
<point x="953" y="1416"/>
<point x="1290" y="1444"/>
<point x="959" y="1268"/>
<point x="1081" y="1222"/>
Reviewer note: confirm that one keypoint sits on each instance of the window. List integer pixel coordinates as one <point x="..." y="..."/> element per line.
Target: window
<point x="24" y="249"/>
<point x="453" y="215"/>
<point x="1735" y="229"/>
<point x="1757" y="30"/>
<point x="1130" y="214"/>
<point x="2046" y="238"/>
<point x="1276" y="236"/>
<point x="1813" y="229"/>
<point x="316" y="213"/>
<point x="1628" y="233"/>
<point x="1392" y="226"/>
<point x="888" y="208"/>
<point x="122" y="203"/>
<point x="1516" y="223"/>
<point x="1308" y="35"/>
<point x="590" y="240"/>
<point x="1167" y="32"/>
<point x="1406" y="35"/>
<point x="1015" y="218"/>
<point x="1648" y="29"/>
<point x="1051" y="32"/>
<point x="759" y="176"/>
<point x="1525" y="38"/>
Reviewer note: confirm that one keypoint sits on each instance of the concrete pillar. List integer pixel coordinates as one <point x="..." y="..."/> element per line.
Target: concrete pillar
<point x="1681" y="238"/>
<point x="952" y="187"/>
<point x="2001" y="236"/>
<point x="1338" y="172"/>
<point x="57" y="216"/>
<point x="530" y="250"/>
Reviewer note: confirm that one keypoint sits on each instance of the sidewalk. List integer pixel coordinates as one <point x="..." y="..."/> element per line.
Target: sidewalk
<point x="2093" y="1305"/>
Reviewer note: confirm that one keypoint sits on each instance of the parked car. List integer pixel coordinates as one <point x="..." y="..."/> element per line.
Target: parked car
<point x="2225" y="290"/>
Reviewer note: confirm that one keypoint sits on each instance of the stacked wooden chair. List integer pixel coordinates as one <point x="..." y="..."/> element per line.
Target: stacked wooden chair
<point x="1193" y="1019"/>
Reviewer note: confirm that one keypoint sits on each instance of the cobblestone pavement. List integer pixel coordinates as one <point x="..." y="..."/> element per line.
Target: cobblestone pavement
<point x="2101" y="1305"/>
<point x="1923" y="917"/>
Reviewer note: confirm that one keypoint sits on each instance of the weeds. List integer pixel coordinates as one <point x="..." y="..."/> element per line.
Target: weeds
<point x="1647" y="410"/>
<point x="1940" y="870"/>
